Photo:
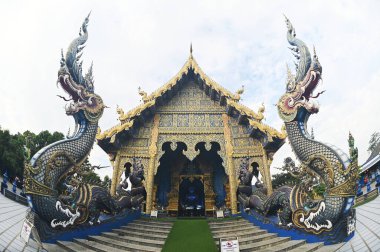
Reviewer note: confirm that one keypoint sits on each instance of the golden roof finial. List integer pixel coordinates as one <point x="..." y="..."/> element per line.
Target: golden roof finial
<point x="191" y="50"/>
<point x="143" y="94"/>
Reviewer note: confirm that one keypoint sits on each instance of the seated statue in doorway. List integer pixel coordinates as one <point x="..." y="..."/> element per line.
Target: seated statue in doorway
<point x="255" y="196"/>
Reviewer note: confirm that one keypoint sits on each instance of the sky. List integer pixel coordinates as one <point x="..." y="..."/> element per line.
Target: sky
<point x="145" y="43"/>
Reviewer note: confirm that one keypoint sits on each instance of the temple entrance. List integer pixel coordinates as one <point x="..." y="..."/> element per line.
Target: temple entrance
<point x="191" y="196"/>
<point x="190" y="188"/>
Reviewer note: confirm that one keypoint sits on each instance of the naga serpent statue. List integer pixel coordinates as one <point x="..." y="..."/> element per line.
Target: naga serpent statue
<point x="49" y="167"/>
<point x="333" y="214"/>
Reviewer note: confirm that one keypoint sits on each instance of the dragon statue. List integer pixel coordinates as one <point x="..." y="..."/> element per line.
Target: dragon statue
<point x="332" y="215"/>
<point x="131" y="190"/>
<point x="50" y="167"/>
<point x="255" y="196"/>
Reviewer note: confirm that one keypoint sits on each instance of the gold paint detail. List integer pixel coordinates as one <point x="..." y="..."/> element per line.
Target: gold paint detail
<point x="269" y="130"/>
<point x="232" y="100"/>
<point x="32" y="186"/>
<point x="348" y="188"/>
<point x="244" y="110"/>
<point x="115" y="173"/>
<point x="56" y="160"/>
<point x="230" y="163"/>
<point x="152" y="164"/>
<point x="266" y="173"/>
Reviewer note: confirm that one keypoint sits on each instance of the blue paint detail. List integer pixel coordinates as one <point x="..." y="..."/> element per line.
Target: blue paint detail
<point x="107" y="225"/>
<point x="270" y="224"/>
<point x="218" y="183"/>
<point x="30" y="202"/>
<point x="349" y="205"/>
<point x="164" y="181"/>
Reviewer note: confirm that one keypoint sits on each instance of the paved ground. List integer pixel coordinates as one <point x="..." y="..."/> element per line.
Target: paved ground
<point x="12" y="214"/>
<point x="367" y="235"/>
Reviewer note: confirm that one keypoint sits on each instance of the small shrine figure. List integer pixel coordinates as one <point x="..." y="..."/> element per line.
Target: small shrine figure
<point x="377" y="181"/>
<point x="368" y="186"/>
<point x="4" y="184"/>
<point x="359" y="191"/>
<point x="14" y="187"/>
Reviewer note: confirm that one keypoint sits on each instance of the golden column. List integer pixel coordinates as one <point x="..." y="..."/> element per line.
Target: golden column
<point x="116" y="167"/>
<point x="230" y="162"/>
<point x="268" y="179"/>
<point x="152" y="164"/>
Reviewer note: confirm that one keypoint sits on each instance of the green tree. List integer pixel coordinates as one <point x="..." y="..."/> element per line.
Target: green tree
<point x="17" y="148"/>
<point x="106" y="183"/>
<point x="87" y="174"/>
<point x="12" y="153"/>
<point x="44" y="138"/>
<point x="284" y="177"/>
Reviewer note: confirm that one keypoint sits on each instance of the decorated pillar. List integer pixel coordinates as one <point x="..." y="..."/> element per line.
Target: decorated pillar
<point x="230" y="163"/>
<point x="267" y="160"/>
<point x="115" y="174"/>
<point x="152" y="163"/>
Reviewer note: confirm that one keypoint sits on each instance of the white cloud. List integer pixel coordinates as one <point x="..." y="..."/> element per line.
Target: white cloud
<point x="145" y="43"/>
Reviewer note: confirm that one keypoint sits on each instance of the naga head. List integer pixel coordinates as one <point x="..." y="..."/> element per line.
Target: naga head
<point x="80" y="88"/>
<point x="300" y="87"/>
<point x="313" y="220"/>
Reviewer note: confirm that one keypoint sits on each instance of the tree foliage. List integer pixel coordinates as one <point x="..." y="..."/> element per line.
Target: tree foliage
<point x="106" y="183"/>
<point x="284" y="177"/>
<point x="86" y="174"/>
<point x="17" y="148"/>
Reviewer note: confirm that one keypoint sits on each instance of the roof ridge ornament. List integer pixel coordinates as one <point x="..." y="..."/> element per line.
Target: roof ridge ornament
<point x="143" y="94"/>
<point x="191" y="50"/>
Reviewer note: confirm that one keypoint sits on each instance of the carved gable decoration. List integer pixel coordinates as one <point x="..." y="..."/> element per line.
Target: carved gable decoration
<point x="190" y="103"/>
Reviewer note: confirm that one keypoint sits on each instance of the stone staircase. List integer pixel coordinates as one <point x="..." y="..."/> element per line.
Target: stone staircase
<point x="252" y="238"/>
<point x="140" y="235"/>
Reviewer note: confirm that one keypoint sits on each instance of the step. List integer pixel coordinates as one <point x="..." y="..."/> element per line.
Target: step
<point x="235" y="230"/>
<point x="97" y="246"/>
<point x="248" y="233"/>
<point x="149" y="226"/>
<point x="330" y="248"/>
<point x="257" y="238"/>
<point x="285" y="246"/>
<point x="230" y="226"/>
<point x="140" y="234"/>
<point x="140" y="241"/>
<point x="210" y="220"/>
<point x="72" y="247"/>
<point x="145" y="230"/>
<point x="154" y="222"/>
<point x="263" y="244"/>
<point x="121" y="244"/>
<point x="223" y="222"/>
<point x="308" y="247"/>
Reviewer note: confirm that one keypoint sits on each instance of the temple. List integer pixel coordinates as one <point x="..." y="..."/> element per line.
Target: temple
<point x="190" y="135"/>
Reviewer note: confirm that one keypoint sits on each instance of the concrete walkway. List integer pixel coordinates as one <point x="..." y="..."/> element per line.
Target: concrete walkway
<point x="367" y="235"/>
<point x="12" y="215"/>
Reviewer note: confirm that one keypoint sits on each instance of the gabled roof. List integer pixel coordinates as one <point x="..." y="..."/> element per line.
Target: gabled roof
<point x="214" y="90"/>
<point x="373" y="159"/>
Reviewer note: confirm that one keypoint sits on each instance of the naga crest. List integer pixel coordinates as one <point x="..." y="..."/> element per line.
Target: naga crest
<point x="300" y="87"/>
<point x="80" y="88"/>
